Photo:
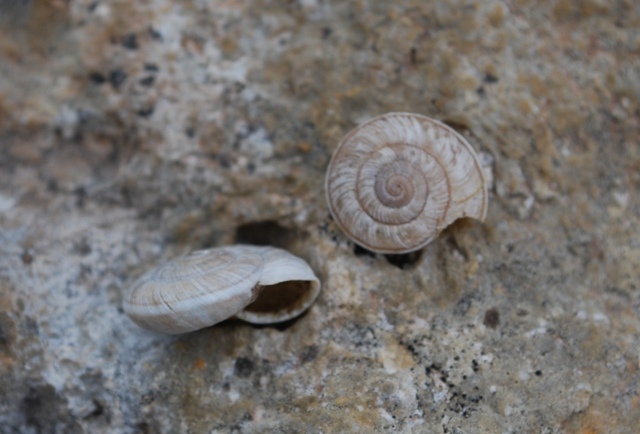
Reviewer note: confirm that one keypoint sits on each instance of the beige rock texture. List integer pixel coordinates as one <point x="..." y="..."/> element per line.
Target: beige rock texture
<point x="132" y="132"/>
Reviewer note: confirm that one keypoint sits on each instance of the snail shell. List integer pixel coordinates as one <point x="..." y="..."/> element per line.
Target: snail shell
<point x="261" y="285"/>
<point x="395" y="182"/>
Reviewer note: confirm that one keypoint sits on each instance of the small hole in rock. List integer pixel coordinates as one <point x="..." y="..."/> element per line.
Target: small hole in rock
<point x="404" y="261"/>
<point x="361" y="251"/>
<point x="144" y="428"/>
<point x="490" y="78"/>
<point x="266" y="233"/>
<point x="243" y="367"/>
<point x="457" y="124"/>
<point x="26" y="257"/>
<point x="492" y="318"/>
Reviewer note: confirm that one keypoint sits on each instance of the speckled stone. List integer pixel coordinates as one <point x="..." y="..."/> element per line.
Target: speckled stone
<point x="131" y="132"/>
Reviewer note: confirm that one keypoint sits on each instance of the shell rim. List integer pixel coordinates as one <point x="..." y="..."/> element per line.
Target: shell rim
<point x="274" y="318"/>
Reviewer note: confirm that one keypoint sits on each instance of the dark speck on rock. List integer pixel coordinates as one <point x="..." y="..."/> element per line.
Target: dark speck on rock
<point x="145" y="112"/>
<point x="463" y="305"/>
<point x="243" y="367"/>
<point x="492" y="318"/>
<point x="117" y="77"/>
<point x="4" y="340"/>
<point x="308" y="354"/>
<point x="26" y="257"/>
<point x="490" y="78"/>
<point x="130" y="42"/>
<point x="147" y="81"/>
<point x="225" y="161"/>
<point x="155" y="34"/>
<point x="97" y="78"/>
<point x="82" y="247"/>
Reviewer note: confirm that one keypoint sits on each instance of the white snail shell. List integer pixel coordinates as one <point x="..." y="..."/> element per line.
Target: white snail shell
<point x="395" y="182"/>
<point x="261" y="285"/>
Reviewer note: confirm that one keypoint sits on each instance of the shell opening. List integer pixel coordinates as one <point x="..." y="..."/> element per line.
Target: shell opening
<point x="280" y="302"/>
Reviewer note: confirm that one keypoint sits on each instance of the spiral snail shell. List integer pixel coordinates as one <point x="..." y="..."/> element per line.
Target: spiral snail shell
<point x="395" y="182"/>
<point x="261" y="285"/>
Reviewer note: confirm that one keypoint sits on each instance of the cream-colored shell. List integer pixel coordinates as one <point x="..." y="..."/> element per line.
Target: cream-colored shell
<point x="261" y="285"/>
<point x="395" y="182"/>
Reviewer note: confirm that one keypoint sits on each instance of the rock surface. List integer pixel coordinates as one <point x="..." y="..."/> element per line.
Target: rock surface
<point x="131" y="132"/>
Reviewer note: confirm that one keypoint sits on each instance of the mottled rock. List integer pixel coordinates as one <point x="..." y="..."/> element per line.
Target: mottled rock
<point x="131" y="132"/>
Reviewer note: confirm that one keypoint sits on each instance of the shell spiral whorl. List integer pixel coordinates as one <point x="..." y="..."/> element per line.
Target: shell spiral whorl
<point x="396" y="181"/>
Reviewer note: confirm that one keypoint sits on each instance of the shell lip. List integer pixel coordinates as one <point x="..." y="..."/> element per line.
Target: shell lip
<point x="288" y="287"/>
<point x="288" y="312"/>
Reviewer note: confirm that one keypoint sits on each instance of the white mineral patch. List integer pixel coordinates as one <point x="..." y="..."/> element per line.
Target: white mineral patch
<point x="6" y="203"/>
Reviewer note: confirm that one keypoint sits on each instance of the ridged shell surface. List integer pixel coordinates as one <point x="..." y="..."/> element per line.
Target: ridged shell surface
<point x="395" y="182"/>
<point x="209" y="286"/>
